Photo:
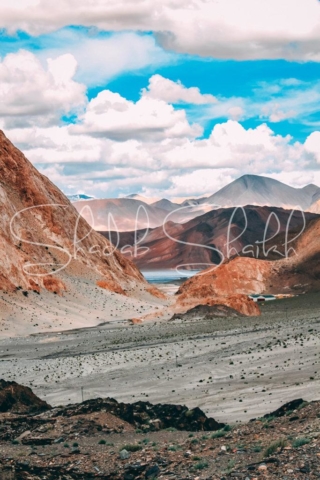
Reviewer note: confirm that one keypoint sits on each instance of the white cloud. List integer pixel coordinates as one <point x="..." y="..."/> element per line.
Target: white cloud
<point x="164" y="89"/>
<point x="230" y="145"/>
<point x="235" y="113"/>
<point x="120" y="146"/>
<point x="31" y="93"/>
<point x="172" y="166"/>
<point x="312" y="145"/>
<point x="249" y="29"/>
<point x="111" y="116"/>
<point x="205" y="181"/>
<point x="103" y="58"/>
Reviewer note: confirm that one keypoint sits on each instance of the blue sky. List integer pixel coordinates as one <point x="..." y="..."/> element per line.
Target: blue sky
<point x="144" y="99"/>
<point x="222" y="78"/>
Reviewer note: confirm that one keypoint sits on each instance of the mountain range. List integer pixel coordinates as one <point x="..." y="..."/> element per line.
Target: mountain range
<point x="198" y="242"/>
<point x="247" y="190"/>
<point x="125" y="214"/>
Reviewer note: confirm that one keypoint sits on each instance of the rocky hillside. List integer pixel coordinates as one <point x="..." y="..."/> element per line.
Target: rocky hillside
<point x="298" y="273"/>
<point x="47" y="248"/>
<point x="38" y="226"/>
<point x="111" y="441"/>
<point x="199" y="241"/>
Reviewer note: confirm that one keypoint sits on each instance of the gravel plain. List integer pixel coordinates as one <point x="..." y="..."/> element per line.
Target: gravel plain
<point x="232" y="368"/>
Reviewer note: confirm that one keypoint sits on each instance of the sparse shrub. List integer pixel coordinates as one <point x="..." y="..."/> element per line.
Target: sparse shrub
<point x="201" y="465"/>
<point x="300" y="441"/>
<point x="273" y="447"/>
<point x="257" y="449"/>
<point x="230" y="466"/>
<point x="102" y="442"/>
<point x="271" y="418"/>
<point x="173" y="448"/>
<point x="219" y="434"/>
<point x="302" y="405"/>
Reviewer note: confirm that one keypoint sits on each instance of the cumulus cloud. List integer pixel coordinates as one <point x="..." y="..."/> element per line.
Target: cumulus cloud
<point x="172" y="166"/>
<point x="174" y="92"/>
<point x="112" y="116"/>
<point x="312" y="145"/>
<point x="248" y="29"/>
<point x="31" y="93"/>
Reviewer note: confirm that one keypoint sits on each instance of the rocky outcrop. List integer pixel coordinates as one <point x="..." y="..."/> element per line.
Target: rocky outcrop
<point x="286" y="408"/>
<point x="206" y="312"/>
<point x="238" y="276"/>
<point x="146" y="416"/>
<point x="200" y="290"/>
<point x="16" y="398"/>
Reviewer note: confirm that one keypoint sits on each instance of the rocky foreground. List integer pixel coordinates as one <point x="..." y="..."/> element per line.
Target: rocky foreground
<point x="109" y="440"/>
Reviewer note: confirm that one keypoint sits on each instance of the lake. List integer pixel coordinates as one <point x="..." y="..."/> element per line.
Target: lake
<point x="167" y="276"/>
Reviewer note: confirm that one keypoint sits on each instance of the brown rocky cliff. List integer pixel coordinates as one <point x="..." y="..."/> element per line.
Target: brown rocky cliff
<point x="45" y="234"/>
<point x="298" y="273"/>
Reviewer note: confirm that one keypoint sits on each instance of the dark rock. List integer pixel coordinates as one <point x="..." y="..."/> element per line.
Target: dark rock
<point x="37" y="441"/>
<point x="19" y="399"/>
<point x="128" y="476"/>
<point x="294" y="418"/>
<point x="143" y="414"/>
<point x="135" y="469"/>
<point x="152" y="471"/>
<point x="287" y="407"/>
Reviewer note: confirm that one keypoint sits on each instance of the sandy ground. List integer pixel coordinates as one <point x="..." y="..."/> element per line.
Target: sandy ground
<point x="234" y="369"/>
<point x="83" y="305"/>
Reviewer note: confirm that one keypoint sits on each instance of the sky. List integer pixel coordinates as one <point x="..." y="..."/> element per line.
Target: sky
<point x="165" y="98"/>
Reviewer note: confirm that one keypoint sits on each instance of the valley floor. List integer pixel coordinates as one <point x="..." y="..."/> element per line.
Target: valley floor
<point x="233" y="368"/>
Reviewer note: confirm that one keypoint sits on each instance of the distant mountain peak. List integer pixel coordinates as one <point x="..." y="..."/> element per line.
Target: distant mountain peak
<point x="252" y="189"/>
